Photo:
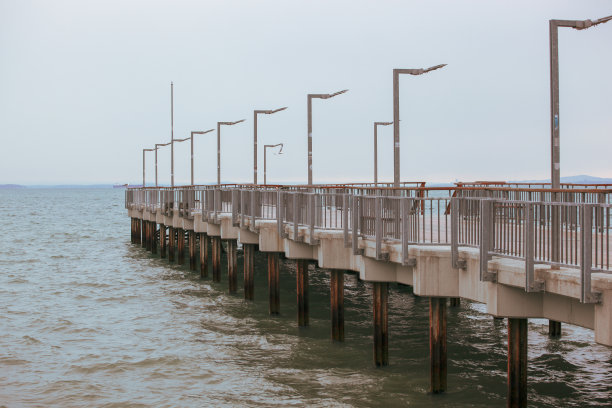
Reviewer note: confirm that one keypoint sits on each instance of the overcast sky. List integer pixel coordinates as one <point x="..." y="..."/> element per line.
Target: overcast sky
<point x="85" y="86"/>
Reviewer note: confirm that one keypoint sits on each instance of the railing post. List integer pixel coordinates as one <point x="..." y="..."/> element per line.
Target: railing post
<point x="345" y="200"/>
<point x="378" y="226"/>
<point x="295" y="216"/>
<point x="586" y="256"/>
<point x="354" y="226"/>
<point x="253" y="211"/>
<point x="531" y="285"/>
<point x="279" y="213"/>
<point x="486" y="222"/>
<point x="454" y="210"/>
<point x="313" y="217"/>
<point x="235" y="209"/>
<point x="404" y="227"/>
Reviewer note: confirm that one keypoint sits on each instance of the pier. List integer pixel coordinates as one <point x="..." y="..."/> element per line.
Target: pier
<point x="523" y="250"/>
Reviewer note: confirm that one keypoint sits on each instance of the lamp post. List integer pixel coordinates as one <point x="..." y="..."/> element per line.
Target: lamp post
<point x="143" y="165"/>
<point x="219" y="146"/>
<point x="196" y="132"/>
<point x="310" y="98"/>
<point x="555" y="168"/>
<point x="255" y="113"/>
<point x="157" y="146"/>
<point x="171" y="134"/>
<point x="265" y="166"/>
<point x="376" y="124"/>
<point x="396" y="119"/>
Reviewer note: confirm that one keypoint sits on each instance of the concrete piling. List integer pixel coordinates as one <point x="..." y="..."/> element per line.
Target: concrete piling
<point x="437" y="344"/>
<point x="381" y="335"/>
<point x="216" y="258"/>
<point x="180" y="235"/>
<point x="336" y="286"/>
<point x="171" y="244"/>
<point x="274" y="282"/>
<point x="554" y="328"/>
<point x="455" y="302"/>
<point x="232" y="265"/>
<point x="204" y="240"/>
<point x="302" y="292"/>
<point x="143" y="234"/>
<point x="192" y="250"/>
<point x="249" y="271"/>
<point x="162" y="240"/>
<point x="153" y="237"/>
<point x="517" y="363"/>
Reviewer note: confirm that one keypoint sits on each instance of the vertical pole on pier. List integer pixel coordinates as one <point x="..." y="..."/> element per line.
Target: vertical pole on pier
<point x="171" y="242"/>
<point x="437" y="344"/>
<point x="517" y="363"/>
<point x="216" y="258"/>
<point x="396" y="130"/>
<point x="381" y="334"/>
<point x="302" y="292"/>
<point x="554" y="328"/>
<point x="153" y="237"/>
<point x="203" y="255"/>
<point x="455" y="302"/>
<point x="162" y="240"/>
<point x="232" y="266"/>
<point x="180" y="235"/>
<point x="336" y="286"/>
<point x="274" y="282"/>
<point x="192" y="250"/>
<point x="249" y="271"/>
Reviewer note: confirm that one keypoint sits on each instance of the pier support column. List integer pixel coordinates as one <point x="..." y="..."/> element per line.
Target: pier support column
<point x="517" y="363"/>
<point x="274" y="282"/>
<point x="138" y="232"/>
<point x="249" y="271"/>
<point x="192" y="250"/>
<point x="302" y="292"/>
<point x="336" y="286"/>
<point x="232" y="265"/>
<point x="143" y="233"/>
<point x="437" y="344"/>
<point x="216" y="258"/>
<point x="132" y="229"/>
<point x="162" y="240"/>
<point x="171" y="244"/>
<point x="455" y="302"/>
<point x="180" y="235"/>
<point x="554" y="328"/>
<point x="203" y="255"/>
<point x="153" y="237"/>
<point x="381" y="334"/>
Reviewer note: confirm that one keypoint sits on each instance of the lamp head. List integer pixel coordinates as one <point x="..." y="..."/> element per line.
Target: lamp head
<point x="269" y="112"/>
<point x="335" y="94"/>
<point x="583" y="25"/>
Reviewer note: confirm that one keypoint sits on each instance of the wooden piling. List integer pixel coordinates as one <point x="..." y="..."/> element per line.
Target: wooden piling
<point x="274" y="282"/>
<point x="192" y="250"/>
<point x="162" y="240"/>
<point x="153" y="237"/>
<point x="138" y="232"/>
<point x="180" y="235"/>
<point x="381" y="334"/>
<point x="132" y="228"/>
<point x="204" y="239"/>
<point x="232" y="265"/>
<point x="216" y="258"/>
<point x="171" y="244"/>
<point x="336" y="286"/>
<point x="143" y="233"/>
<point x="554" y="328"/>
<point x="455" y="302"/>
<point x="517" y="363"/>
<point x="302" y="292"/>
<point x="249" y="271"/>
<point x="437" y="344"/>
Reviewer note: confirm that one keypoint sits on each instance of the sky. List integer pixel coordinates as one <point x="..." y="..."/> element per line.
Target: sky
<point x="85" y="86"/>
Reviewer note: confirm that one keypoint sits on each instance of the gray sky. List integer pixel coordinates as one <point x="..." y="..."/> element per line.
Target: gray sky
<point x="85" y="85"/>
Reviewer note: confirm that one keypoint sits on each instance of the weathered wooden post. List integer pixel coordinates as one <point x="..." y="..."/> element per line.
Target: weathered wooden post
<point x="203" y="255"/>
<point x="153" y="237"/>
<point x="232" y="265"/>
<point x="180" y="235"/>
<point x="517" y="363"/>
<point x="302" y="292"/>
<point x="143" y="233"/>
<point x="381" y="334"/>
<point x="138" y="232"/>
<point x="216" y="258"/>
<point x="132" y="230"/>
<point x="171" y="243"/>
<point x="437" y="344"/>
<point x="274" y="282"/>
<point x="336" y="286"/>
<point x="162" y="240"/>
<point x="249" y="271"/>
<point x="455" y="302"/>
<point x="554" y="328"/>
<point x="192" y="250"/>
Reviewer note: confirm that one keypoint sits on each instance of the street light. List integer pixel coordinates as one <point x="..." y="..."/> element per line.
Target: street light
<point x="196" y="132"/>
<point x="267" y="112"/>
<point x="219" y="146"/>
<point x="376" y="124"/>
<point x="157" y="146"/>
<point x="310" y="98"/>
<point x="143" y="165"/>
<point x="396" y="119"/>
<point x="171" y="134"/>
<point x="555" y="168"/>
<point x="279" y="152"/>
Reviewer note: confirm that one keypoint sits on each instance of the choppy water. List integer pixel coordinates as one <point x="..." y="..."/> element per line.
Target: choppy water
<point x="87" y="319"/>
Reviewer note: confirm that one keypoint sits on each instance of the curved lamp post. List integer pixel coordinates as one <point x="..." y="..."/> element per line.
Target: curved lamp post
<point x="157" y="146"/>
<point x="255" y="113"/>
<point x="219" y="146"/>
<point x="310" y="98"/>
<point x="376" y="124"/>
<point x="396" y="119"/>
<point x="143" y="165"/>
<point x="196" y="132"/>
<point x="279" y="152"/>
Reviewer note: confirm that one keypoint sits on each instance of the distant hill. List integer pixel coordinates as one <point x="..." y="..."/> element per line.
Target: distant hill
<point x="581" y="179"/>
<point x="11" y="186"/>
